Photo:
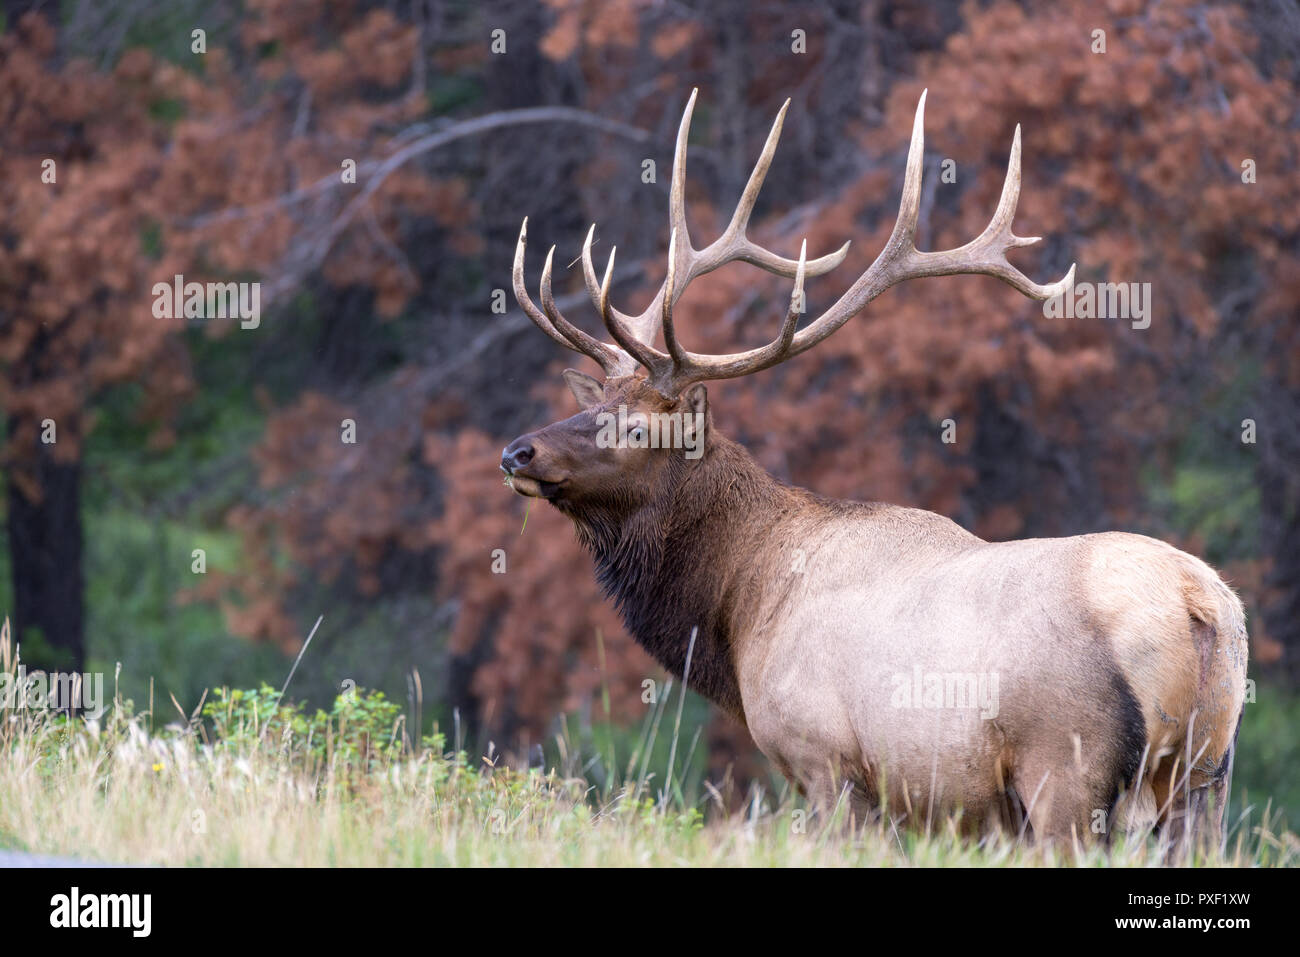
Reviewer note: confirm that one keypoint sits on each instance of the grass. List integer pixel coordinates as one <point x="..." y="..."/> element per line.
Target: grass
<point x="247" y="779"/>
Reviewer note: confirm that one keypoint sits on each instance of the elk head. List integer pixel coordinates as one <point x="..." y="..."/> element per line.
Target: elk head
<point x="573" y="463"/>
<point x="628" y="439"/>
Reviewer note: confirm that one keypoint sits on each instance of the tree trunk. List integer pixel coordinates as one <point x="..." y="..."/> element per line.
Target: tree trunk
<point x="45" y="557"/>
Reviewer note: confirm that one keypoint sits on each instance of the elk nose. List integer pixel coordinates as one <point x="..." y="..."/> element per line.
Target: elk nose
<point x="517" y="454"/>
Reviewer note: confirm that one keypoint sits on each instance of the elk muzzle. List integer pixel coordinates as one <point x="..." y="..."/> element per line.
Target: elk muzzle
<point x="522" y="465"/>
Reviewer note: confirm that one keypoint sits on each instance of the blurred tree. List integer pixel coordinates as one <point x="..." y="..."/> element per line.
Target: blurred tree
<point x="80" y="152"/>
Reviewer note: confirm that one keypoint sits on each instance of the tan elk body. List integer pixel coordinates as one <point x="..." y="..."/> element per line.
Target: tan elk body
<point x="873" y="650"/>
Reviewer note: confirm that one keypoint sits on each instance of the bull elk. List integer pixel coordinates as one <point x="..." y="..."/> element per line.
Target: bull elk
<point x="1117" y="661"/>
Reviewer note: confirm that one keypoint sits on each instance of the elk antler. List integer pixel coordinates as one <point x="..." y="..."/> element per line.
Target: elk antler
<point x="634" y="335"/>
<point x="900" y="260"/>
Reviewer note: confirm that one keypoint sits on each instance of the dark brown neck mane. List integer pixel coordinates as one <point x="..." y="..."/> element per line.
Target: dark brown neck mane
<point x="690" y="559"/>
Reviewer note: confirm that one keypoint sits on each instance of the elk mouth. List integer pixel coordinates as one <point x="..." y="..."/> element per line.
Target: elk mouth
<point x="533" y="487"/>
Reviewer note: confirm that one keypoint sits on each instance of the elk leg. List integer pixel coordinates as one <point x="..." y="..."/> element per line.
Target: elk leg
<point x="1060" y="802"/>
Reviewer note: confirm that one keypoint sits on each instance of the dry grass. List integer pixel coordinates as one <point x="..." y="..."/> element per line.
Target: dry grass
<point x="252" y="786"/>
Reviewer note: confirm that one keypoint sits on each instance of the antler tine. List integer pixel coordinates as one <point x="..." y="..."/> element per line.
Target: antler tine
<point x="998" y="237"/>
<point x="553" y="323"/>
<point x="903" y="238"/>
<point x="745" y="207"/>
<point x="1009" y="199"/>
<point x="987" y="252"/>
<point x="666" y="317"/>
<point x="579" y="339"/>
<point x="689" y="367"/>
<point x="796" y="302"/>
<point x="521" y="292"/>
<point x="643" y="327"/>
<point x="677" y="191"/>
<point x="732" y="246"/>
<point x="647" y="355"/>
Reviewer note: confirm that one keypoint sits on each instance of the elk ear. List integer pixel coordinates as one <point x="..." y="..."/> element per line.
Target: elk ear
<point x="696" y="400"/>
<point x="585" y="389"/>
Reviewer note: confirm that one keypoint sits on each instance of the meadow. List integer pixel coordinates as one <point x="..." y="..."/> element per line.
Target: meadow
<point x="249" y="779"/>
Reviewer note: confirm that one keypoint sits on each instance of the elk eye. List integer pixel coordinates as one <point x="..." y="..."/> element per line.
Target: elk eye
<point x="638" y="433"/>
